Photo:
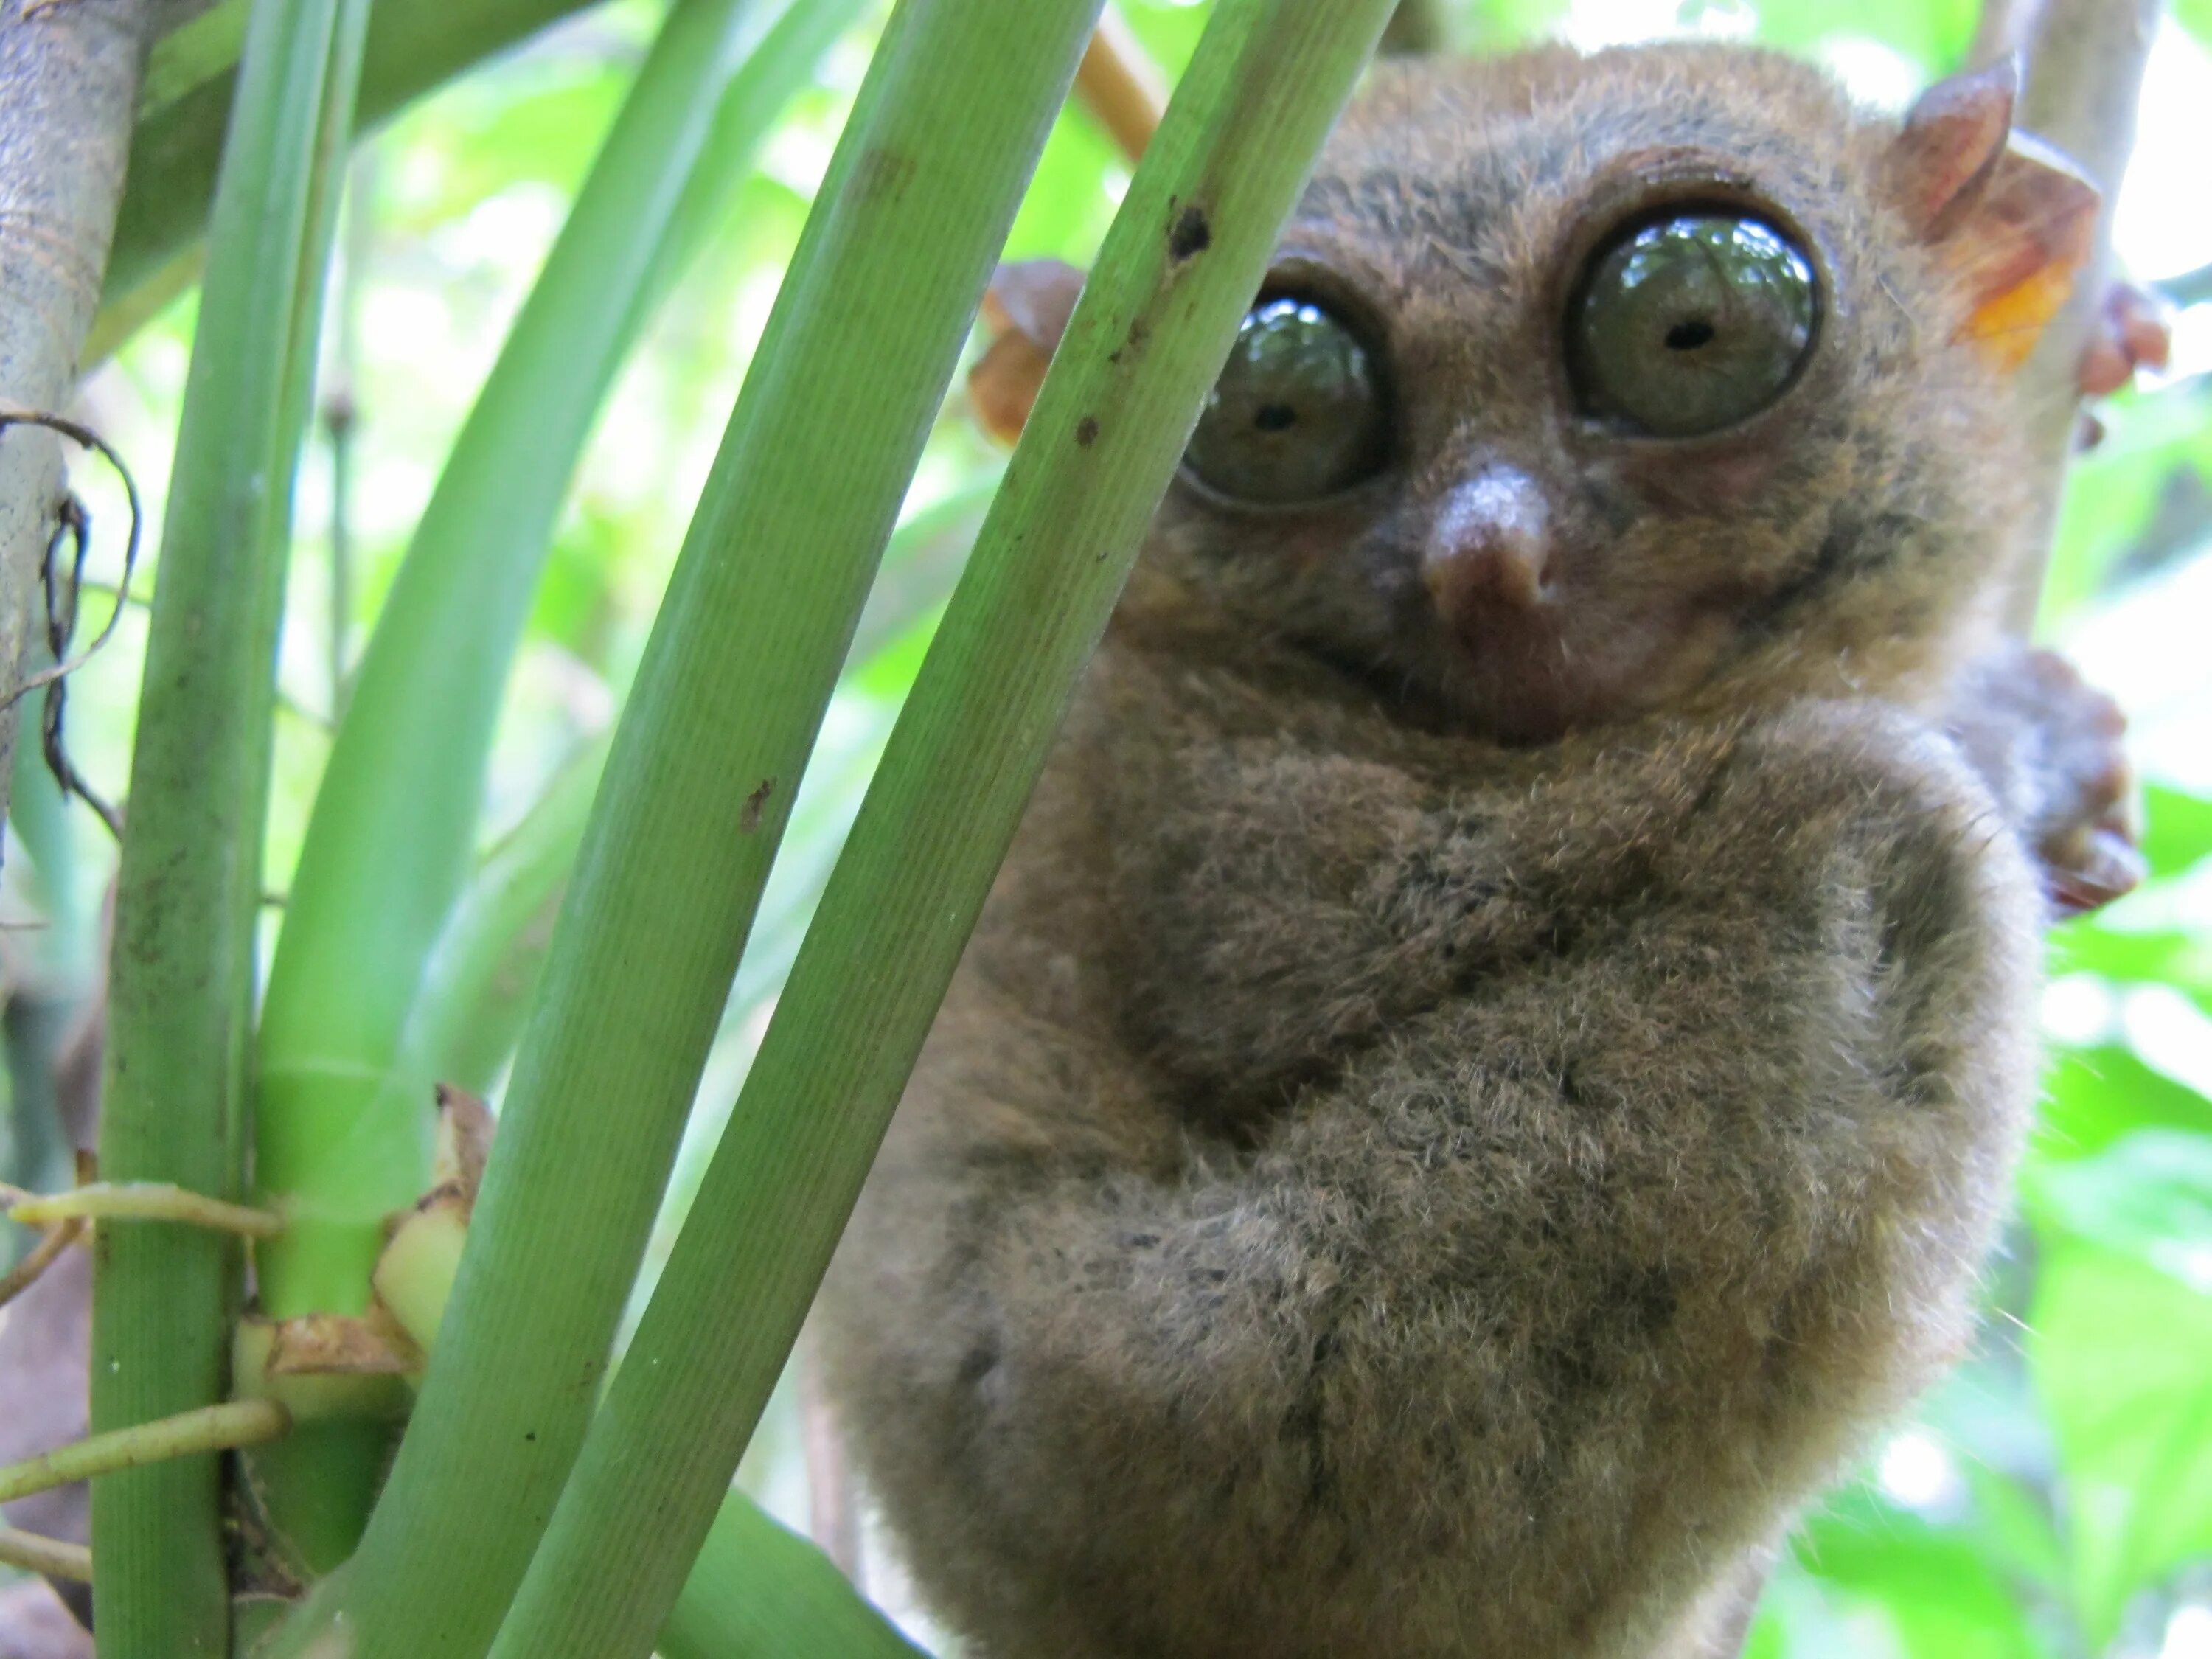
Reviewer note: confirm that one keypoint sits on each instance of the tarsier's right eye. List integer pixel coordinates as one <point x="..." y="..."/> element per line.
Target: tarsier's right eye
<point x="1691" y="323"/>
<point x="1298" y="412"/>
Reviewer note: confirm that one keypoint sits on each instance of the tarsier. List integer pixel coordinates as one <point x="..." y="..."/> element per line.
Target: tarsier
<point x="1496" y="1060"/>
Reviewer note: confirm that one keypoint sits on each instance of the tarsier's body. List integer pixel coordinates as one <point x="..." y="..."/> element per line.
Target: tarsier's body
<point x="1497" y="1053"/>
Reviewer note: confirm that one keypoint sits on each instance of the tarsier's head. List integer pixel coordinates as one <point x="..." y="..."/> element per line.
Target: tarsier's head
<point x="1581" y="385"/>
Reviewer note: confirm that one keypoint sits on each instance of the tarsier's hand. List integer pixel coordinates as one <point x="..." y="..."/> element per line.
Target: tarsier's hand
<point x="2051" y="748"/>
<point x="2133" y="331"/>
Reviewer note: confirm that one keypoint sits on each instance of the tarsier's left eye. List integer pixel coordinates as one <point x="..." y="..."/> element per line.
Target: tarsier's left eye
<point x="1691" y="323"/>
<point x="1298" y="412"/>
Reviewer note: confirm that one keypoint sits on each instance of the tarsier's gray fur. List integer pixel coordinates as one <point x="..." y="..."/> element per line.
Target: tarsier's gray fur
<point x="1375" y="1189"/>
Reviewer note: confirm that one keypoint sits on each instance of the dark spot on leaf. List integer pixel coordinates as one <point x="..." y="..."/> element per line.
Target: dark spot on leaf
<point x="755" y="804"/>
<point x="881" y="174"/>
<point x="531" y="1436"/>
<point x="1191" y="234"/>
<point x="1086" y="431"/>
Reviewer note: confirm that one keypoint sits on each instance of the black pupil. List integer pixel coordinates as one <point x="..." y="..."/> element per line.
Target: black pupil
<point x="1688" y="336"/>
<point x="1276" y="418"/>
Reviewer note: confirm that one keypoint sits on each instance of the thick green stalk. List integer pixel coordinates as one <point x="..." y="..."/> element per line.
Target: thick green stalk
<point x="705" y="763"/>
<point x="189" y="888"/>
<point x="759" y="1592"/>
<point x="1185" y="254"/>
<point x="316" y="1483"/>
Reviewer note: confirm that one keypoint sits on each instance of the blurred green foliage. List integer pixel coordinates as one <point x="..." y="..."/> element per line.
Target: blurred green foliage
<point x="2053" y="1501"/>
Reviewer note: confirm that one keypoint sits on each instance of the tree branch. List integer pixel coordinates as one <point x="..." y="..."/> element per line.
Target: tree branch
<point x="2085" y="67"/>
<point x="68" y="91"/>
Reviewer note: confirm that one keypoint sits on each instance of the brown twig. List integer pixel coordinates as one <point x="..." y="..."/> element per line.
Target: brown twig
<point x="1122" y="86"/>
<point x="61" y="597"/>
<point x="42" y="1255"/>
<point x="139" y="1200"/>
<point x="50" y="1556"/>
<point x="2085" y="67"/>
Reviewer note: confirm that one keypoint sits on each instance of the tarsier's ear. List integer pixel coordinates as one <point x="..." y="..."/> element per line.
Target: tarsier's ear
<point x="1026" y="308"/>
<point x="2010" y="218"/>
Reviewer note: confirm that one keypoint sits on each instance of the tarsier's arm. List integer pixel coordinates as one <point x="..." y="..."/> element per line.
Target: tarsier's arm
<point x="1575" y="1278"/>
<point x="1258" y="952"/>
<point x="2051" y="748"/>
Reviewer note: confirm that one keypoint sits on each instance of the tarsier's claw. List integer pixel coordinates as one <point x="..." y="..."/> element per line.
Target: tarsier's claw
<point x="2133" y="331"/>
<point x="2109" y="867"/>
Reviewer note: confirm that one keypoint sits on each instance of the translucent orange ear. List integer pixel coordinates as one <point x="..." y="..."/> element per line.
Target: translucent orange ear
<point x="1026" y="308"/>
<point x="2021" y="245"/>
<point x="2010" y="218"/>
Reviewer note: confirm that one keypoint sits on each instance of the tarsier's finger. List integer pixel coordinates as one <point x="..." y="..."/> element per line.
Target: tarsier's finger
<point x="2107" y="867"/>
<point x="2134" y="330"/>
<point x="1026" y="308"/>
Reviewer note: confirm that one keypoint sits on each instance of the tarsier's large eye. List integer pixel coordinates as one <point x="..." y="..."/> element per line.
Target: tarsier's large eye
<point x="1691" y="323"/>
<point x="1297" y="413"/>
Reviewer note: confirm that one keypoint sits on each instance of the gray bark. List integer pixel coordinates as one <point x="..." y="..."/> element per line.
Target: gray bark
<point x="2085" y="66"/>
<point x="68" y="92"/>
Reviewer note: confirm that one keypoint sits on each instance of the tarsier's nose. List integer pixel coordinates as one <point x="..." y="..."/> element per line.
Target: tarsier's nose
<point x="1490" y="547"/>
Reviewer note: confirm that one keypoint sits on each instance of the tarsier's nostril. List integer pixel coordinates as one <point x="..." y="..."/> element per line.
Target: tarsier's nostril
<point x="1490" y="546"/>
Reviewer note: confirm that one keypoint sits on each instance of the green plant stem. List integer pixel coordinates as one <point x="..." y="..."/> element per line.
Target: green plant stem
<point x="211" y="1428"/>
<point x="190" y="82"/>
<point x="188" y="892"/>
<point x="705" y="763"/>
<point x="758" y="1591"/>
<point x="1185" y="254"/>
